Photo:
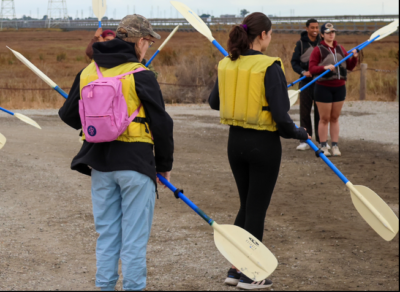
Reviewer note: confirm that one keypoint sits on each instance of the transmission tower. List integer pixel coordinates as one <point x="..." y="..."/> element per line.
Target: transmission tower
<point x="56" y="12"/>
<point x="7" y="9"/>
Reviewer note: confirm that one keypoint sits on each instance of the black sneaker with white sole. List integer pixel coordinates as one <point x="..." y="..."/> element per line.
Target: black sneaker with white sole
<point x="233" y="277"/>
<point x="246" y="283"/>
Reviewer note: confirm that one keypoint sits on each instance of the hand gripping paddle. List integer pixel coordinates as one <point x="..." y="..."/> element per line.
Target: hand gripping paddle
<point x="198" y="24"/>
<point x="22" y="118"/>
<point x="3" y="141"/>
<point x="99" y="9"/>
<point x="376" y="36"/>
<point x="238" y="246"/>
<point x="370" y="206"/>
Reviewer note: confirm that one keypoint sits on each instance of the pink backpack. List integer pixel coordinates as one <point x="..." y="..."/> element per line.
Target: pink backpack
<point x="103" y="109"/>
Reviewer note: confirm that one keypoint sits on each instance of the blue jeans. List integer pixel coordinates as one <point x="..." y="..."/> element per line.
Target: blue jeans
<point x="123" y="208"/>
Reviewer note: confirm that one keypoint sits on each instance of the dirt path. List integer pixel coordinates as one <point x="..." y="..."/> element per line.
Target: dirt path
<point x="47" y="236"/>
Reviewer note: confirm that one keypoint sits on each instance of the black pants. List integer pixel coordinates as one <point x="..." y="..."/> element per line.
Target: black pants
<point x="306" y="102"/>
<point x="255" y="158"/>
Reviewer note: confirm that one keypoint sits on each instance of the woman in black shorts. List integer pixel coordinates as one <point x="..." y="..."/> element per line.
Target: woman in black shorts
<point x="330" y="90"/>
<point x="251" y="95"/>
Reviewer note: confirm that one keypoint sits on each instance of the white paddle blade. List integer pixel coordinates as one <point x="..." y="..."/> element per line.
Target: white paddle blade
<point x="386" y="30"/>
<point x="99" y="8"/>
<point x="3" y="141"/>
<point x="33" y="68"/>
<point x="168" y="38"/>
<point x="382" y="218"/>
<point x="293" y="96"/>
<point x="193" y="19"/>
<point x="244" y="251"/>
<point x="27" y="120"/>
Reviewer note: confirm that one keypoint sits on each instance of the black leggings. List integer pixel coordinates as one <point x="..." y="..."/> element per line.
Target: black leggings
<point x="255" y="158"/>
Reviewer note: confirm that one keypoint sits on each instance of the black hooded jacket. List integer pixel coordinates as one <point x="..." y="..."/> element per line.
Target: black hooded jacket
<point x="117" y="155"/>
<point x="301" y="46"/>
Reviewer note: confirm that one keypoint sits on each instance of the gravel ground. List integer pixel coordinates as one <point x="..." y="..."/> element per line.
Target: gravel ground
<point x="367" y="120"/>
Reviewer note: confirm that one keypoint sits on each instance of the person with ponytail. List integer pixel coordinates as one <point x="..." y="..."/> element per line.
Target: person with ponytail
<point x="251" y="95"/>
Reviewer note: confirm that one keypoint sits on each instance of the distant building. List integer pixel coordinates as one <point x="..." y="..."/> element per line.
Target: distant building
<point x="228" y="16"/>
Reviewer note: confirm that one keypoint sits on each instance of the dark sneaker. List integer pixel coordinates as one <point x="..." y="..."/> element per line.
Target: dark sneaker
<point x="246" y="283"/>
<point x="233" y="277"/>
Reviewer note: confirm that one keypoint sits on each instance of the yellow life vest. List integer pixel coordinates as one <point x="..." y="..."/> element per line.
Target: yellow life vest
<point x="242" y="92"/>
<point x="136" y="132"/>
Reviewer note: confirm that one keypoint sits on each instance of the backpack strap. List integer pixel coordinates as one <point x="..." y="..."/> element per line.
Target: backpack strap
<point x="135" y="114"/>
<point x="98" y="71"/>
<point x="131" y="72"/>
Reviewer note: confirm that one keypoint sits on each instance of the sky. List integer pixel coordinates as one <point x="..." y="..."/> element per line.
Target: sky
<point x="161" y="8"/>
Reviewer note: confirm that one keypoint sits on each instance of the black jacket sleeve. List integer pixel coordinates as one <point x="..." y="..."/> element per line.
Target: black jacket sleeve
<point x="69" y="112"/>
<point x="161" y="124"/>
<point x="278" y="101"/>
<point x="213" y="100"/>
<point x="296" y="62"/>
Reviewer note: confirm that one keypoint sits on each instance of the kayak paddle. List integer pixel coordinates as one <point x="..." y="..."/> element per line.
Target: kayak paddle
<point x="368" y="203"/>
<point x="304" y="77"/>
<point x="99" y="9"/>
<point x="22" y="118"/>
<point x="238" y="246"/>
<point x="3" y="141"/>
<point x="376" y="36"/>
<point x="198" y="24"/>
<point x="39" y="73"/>
<point x="162" y="46"/>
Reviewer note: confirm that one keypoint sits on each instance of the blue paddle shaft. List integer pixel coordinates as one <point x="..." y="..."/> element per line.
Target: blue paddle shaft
<point x="152" y="58"/>
<point x="185" y="199"/>
<point x="327" y="161"/>
<point x="362" y="46"/>
<point x="99" y="23"/>
<point x="7" y="111"/>
<point x="304" y="77"/>
<point x="220" y="48"/>
<point x="60" y="91"/>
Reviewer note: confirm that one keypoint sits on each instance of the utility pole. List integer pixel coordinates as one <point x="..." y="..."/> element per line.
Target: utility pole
<point x="7" y="11"/>
<point x="54" y="9"/>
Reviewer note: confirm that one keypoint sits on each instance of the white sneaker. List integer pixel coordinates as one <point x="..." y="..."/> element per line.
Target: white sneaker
<point x="336" y="151"/>
<point x="327" y="146"/>
<point x="303" y="147"/>
<point x="326" y="151"/>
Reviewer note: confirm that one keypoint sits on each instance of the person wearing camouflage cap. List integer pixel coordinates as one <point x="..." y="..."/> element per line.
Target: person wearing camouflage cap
<point x="124" y="171"/>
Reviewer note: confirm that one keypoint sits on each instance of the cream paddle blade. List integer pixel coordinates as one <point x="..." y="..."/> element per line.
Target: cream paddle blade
<point x="385" y="31"/>
<point x="293" y="96"/>
<point x="198" y="24"/>
<point x="370" y="206"/>
<point x="22" y="118"/>
<point x="39" y="73"/>
<point x="3" y="141"/>
<point x="244" y="251"/>
<point x="238" y="246"/>
<point x="27" y="120"/>
<point x="99" y="9"/>
<point x="375" y="211"/>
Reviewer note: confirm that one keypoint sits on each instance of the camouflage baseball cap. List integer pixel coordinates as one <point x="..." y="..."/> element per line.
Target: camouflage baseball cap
<point x="135" y="26"/>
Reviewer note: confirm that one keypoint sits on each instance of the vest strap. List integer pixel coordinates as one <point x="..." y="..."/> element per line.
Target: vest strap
<point x="122" y="75"/>
<point x="266" y="109"/>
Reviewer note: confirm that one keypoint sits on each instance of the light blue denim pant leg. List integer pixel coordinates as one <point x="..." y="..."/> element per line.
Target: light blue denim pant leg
<point x="123" y="208"/>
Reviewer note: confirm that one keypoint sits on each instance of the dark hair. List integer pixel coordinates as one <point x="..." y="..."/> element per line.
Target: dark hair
<point x="312" y="20"/>
<point x="242" y="36"/>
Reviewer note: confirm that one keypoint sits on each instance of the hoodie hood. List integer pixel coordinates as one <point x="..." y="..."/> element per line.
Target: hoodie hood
<point x="114" y="53"/>
<point x="306" y="39"/>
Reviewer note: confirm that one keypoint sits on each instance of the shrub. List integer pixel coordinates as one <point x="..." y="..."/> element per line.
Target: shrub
<point x="61" y="56"/>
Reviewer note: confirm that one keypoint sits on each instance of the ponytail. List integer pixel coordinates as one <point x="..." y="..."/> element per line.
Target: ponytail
<point x="242" y="36"/>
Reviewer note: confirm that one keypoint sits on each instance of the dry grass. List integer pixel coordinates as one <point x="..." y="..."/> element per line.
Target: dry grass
<point x="189" y="59"/>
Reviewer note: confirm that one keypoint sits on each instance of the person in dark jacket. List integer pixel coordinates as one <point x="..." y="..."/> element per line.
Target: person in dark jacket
<point x="124" y="172"/>
<point x="258" y="117"/>
<point x="300" y="59"/>
<point x="330" y="90"/>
